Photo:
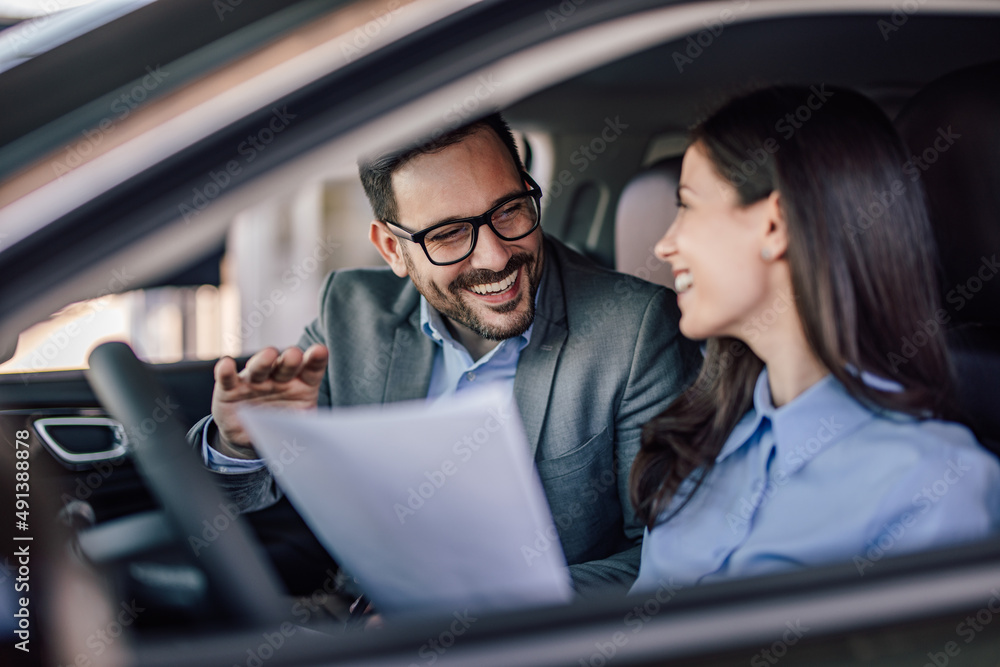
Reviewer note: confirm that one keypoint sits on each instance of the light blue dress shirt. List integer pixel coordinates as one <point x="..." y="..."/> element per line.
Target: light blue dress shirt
<point x="453" y="371"/>
<point x="824" y="479"/>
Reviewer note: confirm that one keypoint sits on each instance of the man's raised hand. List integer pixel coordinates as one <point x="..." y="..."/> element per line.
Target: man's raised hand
<point x="289" y="379"/>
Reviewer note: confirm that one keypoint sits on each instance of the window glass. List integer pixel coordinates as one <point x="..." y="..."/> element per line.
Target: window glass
<point x="276" y="257"/>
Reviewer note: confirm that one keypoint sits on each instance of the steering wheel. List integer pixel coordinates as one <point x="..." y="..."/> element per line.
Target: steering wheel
<point x="234" y="564"/>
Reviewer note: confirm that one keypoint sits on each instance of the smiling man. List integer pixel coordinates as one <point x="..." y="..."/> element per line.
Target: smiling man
<point x="486" y="296"/>
<point x="478" y="294"/>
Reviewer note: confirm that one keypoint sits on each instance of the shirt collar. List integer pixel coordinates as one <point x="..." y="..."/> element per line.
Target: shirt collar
<point x="814" y="420"/>
<point x="433" y="326"/>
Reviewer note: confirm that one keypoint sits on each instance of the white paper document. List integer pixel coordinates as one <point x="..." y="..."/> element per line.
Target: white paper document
<point x="431" y="506"/>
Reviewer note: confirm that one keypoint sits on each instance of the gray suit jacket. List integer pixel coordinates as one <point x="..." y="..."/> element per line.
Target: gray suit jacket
<point x="605" y="357"/>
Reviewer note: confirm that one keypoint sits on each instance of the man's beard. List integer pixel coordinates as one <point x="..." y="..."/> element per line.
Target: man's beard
<point x="455" y="307"/>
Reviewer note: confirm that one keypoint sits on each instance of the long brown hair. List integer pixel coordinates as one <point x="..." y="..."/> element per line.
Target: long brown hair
<point x="863" y="272"/>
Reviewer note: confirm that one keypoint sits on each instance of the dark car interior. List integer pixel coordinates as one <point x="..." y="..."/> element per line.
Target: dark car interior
<point x="936" y="73"/>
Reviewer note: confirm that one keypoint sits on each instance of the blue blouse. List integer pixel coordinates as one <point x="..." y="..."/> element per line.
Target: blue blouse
<point x="824" y="479"/>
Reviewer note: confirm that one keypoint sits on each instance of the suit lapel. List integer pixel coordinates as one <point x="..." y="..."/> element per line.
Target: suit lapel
<point x="536" y="367"/>
<point x="411" y="361"/>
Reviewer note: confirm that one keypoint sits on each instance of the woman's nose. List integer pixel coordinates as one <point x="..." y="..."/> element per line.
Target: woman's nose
<point x="666" y="246"/>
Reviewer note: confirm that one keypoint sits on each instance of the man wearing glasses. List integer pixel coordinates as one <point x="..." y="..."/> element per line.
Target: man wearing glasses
<point x="588" y="355"/>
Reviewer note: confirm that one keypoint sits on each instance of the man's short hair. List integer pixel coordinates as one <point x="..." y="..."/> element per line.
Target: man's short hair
<point x="376" y="173"/>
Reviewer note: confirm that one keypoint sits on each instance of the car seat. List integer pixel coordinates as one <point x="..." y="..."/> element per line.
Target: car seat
<point x="646" y="208"/>
<point x="952" y="129"/>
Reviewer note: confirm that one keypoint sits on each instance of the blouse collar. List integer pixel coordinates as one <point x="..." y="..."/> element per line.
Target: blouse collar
<point x="813" y="421"/>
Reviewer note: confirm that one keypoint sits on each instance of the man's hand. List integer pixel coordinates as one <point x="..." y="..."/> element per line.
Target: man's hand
<point x="290" y="379"/>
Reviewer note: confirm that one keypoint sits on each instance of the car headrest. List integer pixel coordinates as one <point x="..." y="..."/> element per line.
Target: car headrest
<point x="952" y="128"/>
<point x="646" y="208"/>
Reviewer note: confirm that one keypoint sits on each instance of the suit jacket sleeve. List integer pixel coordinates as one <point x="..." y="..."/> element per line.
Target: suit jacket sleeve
<point x="257" y="490"/>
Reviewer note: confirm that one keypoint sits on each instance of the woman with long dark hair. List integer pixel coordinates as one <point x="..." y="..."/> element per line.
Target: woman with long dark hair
<point x="821" y="425"/>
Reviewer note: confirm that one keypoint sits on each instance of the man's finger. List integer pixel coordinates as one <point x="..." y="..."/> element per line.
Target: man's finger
<point x="259" y="366"/>
<point x="286" y="366"/>
<point x="314" y="364"/>
<point x="225" y="374"/>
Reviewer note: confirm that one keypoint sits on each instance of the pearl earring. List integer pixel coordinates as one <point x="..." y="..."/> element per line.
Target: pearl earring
<point x="766" y="254"/>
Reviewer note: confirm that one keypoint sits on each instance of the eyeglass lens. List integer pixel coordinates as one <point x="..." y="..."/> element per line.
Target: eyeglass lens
<point x="510" y="221"/>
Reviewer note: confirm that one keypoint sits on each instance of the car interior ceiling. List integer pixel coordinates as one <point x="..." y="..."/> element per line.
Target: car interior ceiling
<point x="837" y="50"/>
<point x="660" y="97"/>
<point x="650" y="93"/>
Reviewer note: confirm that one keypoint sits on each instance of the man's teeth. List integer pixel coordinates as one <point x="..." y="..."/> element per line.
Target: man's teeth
<point x="493" y="288"/>
<point x="683" y="282"/>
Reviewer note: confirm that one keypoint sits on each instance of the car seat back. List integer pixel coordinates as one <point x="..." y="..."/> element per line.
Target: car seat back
<point x="646" y="209"/>
<point x="952" y="128"/>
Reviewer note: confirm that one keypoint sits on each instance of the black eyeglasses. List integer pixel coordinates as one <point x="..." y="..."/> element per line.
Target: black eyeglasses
<point x="452" y="241"/>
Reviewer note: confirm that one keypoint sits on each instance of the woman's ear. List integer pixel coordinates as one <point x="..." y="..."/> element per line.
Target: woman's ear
<point x="776" y="233"/>
<point x="389" y="247"/>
